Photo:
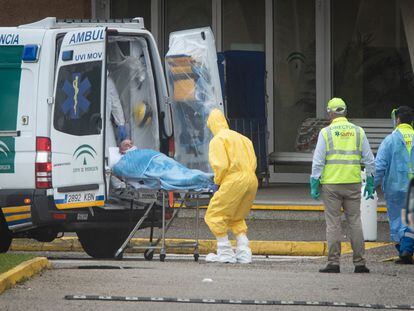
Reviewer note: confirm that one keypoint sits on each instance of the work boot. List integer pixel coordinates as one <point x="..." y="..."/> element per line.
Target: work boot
<point x="330" y="269"/>
<point x="243" y="251"/>
<point x="405" y="259"/>
<point x="224" y="254"/>
<point x="361" y="269"/>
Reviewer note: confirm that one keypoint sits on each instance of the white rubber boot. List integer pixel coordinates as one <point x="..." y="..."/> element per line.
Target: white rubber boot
<point x="224" y="254"/>
<point x="243" y="251"/>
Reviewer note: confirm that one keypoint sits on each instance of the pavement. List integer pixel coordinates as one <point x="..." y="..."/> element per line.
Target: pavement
<point x="266" y="230"/>
<point x="276" y="225"/>
<point x="272" y="230"/>
<point x="292" y="194"/>
<point x="22" y="272"/>
<point x="271" y="278"/>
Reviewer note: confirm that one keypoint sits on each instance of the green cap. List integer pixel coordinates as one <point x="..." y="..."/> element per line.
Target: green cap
<point x="336" y="105"/>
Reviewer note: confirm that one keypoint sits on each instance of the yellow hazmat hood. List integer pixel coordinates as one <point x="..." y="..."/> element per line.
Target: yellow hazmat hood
<point x="217" y="121"/>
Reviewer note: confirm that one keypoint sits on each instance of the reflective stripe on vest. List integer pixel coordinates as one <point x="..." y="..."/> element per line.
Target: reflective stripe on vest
<point x="343" y="142"/>
<point x="332" y="150"/>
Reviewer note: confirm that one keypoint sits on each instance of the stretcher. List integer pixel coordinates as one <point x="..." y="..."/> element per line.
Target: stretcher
<point x="138" y="192"/>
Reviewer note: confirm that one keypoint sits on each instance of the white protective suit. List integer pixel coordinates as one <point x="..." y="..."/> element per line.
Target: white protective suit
<point x="114" y="107"/>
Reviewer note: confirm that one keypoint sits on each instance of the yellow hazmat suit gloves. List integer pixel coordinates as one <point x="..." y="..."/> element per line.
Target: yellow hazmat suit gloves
<point x="232" y="158"/>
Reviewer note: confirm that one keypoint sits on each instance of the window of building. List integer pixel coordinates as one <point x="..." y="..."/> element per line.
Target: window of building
<point x="132" y="8"/>
<point x="294" y="72"/>
<point x="78" y="99"/>
<point x="185" y="14"/>
<point x="243" y="23"/>
<point x="372" y="70"/>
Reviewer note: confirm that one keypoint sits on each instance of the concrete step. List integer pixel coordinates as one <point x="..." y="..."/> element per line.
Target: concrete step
<point x="276" y="214"/>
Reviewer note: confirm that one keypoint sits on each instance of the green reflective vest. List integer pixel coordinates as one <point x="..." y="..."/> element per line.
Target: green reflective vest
<point x="343" y="142"/>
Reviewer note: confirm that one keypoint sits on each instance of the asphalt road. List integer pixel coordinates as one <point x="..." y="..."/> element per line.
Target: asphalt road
<point x="272" y="278"/>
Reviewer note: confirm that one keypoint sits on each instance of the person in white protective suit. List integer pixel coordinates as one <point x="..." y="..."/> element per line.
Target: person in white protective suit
<point x="114" y="108"/>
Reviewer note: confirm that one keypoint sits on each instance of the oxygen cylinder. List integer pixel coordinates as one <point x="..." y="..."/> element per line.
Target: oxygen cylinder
<point x="368" y="214"/>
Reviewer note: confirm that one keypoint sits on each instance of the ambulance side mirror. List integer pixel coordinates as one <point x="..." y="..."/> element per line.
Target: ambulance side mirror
<point x="409" y="210"/>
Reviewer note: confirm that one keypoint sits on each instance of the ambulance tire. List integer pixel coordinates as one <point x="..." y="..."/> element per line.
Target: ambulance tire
<point x="5" y="235"/>
<point x="102" y="243"/>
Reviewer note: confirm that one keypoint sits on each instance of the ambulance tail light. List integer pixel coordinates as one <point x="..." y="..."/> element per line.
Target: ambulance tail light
<point x="171" y="147"/>
<point x="43" y="165"/>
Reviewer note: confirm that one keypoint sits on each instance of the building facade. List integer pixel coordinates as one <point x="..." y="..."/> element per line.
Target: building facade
<point x="360" y="50"/>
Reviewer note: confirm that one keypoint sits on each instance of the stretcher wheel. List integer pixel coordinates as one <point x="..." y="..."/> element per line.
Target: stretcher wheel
<point x="149" y="254"/>
<point x="162" y="257"/>
<point x="196" y="256"/>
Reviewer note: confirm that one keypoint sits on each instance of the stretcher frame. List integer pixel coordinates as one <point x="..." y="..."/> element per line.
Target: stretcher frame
<point x="151" y="197"/>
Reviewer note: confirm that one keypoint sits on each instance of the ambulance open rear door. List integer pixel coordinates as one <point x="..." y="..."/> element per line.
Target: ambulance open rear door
<point x="194" y="88"/>
<point x="77" y="130"/>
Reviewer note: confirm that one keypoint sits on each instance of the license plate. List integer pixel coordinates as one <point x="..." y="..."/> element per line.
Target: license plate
<point x="80" y="197"/>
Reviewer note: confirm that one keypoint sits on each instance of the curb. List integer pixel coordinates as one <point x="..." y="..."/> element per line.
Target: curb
<point x="288" y="207"/>
<point x="22" y="272"/>
<point x="138" y="245"/>
<point x="303" y="208"/>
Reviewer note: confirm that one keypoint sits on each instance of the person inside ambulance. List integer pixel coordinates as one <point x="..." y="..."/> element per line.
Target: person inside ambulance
<point x="232" y="158"/>
<point x="114" y="109"/>
<point x="115" y="119"/>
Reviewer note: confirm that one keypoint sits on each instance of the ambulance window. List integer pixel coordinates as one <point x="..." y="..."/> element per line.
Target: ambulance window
<point x="78" y="99"/>
<point x="59" y="40"/>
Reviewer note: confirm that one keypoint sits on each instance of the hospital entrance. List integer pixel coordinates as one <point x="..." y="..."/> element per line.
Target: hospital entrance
<point x="281" y="61"/>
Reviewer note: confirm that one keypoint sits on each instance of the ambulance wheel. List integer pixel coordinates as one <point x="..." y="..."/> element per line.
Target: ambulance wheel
<point x="101" y="243"/>
<point x="5" y="235"/>
<point x="149" y="254"/>
<point x="162" y="257"/>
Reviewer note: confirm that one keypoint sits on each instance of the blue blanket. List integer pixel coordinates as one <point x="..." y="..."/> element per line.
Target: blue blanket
<point x="155" y="169"/>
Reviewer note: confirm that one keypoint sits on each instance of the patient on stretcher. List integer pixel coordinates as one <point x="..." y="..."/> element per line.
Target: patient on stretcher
<point x="155" y="168"/>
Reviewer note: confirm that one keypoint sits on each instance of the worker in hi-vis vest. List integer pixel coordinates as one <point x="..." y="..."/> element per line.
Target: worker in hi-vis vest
<point x="340" y="149"/>
<point x="394" y="167"/>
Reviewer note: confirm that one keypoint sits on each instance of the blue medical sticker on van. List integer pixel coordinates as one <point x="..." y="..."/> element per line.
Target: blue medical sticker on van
<point x="7" y="154"/>
<point x="76" y="89"/>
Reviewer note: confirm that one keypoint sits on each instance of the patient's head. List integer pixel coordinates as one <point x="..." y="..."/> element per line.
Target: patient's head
<point x="125" y="145"/>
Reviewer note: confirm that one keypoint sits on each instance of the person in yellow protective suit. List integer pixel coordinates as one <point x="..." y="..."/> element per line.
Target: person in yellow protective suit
<point x="232" y="158"/>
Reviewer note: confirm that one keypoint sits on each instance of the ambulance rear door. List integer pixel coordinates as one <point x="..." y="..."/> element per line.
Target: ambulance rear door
<point x="77" y="131"/>
<point x="194" y="90"/>
<point x="19" y="69"/>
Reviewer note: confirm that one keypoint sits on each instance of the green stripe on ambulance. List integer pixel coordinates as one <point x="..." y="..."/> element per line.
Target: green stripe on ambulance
<point x="10" y="73"/>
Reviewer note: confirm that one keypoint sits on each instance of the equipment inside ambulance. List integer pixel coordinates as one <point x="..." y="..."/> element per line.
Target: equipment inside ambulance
<point x="69" y="91"/>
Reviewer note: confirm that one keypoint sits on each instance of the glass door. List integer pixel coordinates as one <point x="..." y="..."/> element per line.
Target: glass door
<point x="294" y="70"/>
<point x="371" y="65"/>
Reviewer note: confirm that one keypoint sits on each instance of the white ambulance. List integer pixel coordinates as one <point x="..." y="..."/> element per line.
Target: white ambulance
<point x="69" y="90"/>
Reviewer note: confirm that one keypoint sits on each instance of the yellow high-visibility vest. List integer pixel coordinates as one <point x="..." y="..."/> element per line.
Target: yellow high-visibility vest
<point x="343" y="142"/>
<point x="407" y="132"/>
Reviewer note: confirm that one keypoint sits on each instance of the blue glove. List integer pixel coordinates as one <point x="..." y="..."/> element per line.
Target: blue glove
<point x="369" y="188"/>
<point x="122" y="133"/>
<point x="314" y="185"/>
<point x="215" y="188"/>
